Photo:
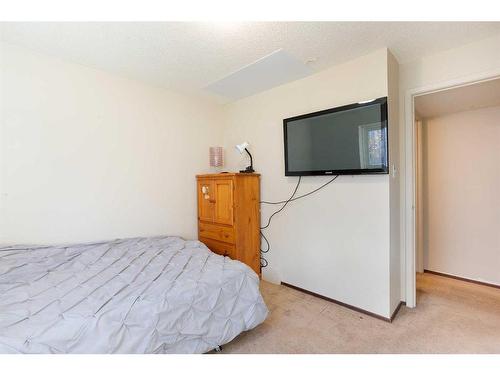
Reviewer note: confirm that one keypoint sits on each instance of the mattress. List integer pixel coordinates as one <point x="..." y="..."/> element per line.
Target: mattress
<point x="140" y="295"/>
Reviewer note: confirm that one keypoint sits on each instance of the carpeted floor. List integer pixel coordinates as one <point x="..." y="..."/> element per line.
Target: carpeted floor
<point x="451" y="317"/>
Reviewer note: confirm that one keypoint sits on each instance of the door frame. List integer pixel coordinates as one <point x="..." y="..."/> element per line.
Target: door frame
<point x="409" y="206"/>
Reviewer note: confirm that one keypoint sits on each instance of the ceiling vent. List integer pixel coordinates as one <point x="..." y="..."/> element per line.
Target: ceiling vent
<point x="270" y="71"/>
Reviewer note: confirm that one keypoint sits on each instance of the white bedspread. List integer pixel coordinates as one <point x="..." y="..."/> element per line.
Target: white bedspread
<point x="141" y="295"/>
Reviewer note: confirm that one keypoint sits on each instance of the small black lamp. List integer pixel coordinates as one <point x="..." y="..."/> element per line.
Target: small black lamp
<point x="243" y="147"/>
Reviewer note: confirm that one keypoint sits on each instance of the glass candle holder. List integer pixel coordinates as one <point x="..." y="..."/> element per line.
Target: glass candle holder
<point x="216" y="156"/>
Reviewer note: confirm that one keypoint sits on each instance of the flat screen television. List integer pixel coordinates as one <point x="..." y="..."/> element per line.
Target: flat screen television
<point x="351" y="139"/>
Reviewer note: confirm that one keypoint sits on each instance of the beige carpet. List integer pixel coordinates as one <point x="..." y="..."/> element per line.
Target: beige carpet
<point x="451" y="317"/>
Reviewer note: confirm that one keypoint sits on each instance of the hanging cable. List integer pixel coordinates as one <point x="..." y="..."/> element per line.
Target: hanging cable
<point x="286" y="202"/>
<point x="263" y="261"/>
<point x="304" y="195"/>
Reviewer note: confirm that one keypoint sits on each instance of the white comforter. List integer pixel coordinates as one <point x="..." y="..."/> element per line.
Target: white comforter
<point x="141" y="295"/>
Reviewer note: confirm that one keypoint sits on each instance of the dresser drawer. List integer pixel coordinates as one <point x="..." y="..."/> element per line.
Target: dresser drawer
<point x="216" y="232"/>
<point x="221" y="248"/>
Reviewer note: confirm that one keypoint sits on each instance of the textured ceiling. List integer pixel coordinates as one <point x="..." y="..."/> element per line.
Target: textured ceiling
<point x="465" y="98"/>
<point x="188" y="56"/>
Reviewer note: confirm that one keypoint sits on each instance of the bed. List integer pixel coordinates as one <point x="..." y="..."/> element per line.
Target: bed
<point x="140" y="295"/>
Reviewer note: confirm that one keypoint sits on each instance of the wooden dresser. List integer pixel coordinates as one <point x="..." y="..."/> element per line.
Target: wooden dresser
<point x="229" y="215"/>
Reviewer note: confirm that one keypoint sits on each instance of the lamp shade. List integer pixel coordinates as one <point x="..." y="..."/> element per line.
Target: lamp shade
<point x="241" y="147"/>
<point x="216" y="156"/>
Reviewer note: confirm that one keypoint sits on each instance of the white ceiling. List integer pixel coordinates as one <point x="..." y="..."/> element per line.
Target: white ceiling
<point x="189" y="56"/>
<point x="465" y="98"/>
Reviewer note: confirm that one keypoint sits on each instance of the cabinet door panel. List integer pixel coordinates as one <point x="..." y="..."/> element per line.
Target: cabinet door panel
<point x="223" y="202"/>
<point x="206" y="200"/>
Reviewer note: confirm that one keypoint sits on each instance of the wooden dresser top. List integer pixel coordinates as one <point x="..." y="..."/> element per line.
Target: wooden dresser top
<point x="218" y="175"/>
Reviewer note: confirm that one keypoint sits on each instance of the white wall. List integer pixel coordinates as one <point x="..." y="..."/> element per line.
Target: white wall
<point x="464" y="63"/>
<point x="335" y="242"/>
<point x="461" y="185"/>
<point x="85" y="155"/>
<point x="394" y="181"/>
<point x="461" y="62"/>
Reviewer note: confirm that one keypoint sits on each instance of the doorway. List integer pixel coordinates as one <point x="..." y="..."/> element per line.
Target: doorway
<point x="452" y="173"/>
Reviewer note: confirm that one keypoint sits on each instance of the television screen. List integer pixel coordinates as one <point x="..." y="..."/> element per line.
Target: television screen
<point x="351" y="139"/>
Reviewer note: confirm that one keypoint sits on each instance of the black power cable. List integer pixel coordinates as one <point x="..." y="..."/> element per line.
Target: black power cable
<point x="263" y="261"/>
<point x="282" y="207"/>
<point x="304" y="195"/>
